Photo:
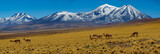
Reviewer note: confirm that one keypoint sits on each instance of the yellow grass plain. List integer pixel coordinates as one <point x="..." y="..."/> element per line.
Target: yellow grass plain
<point x="78" y="42"/>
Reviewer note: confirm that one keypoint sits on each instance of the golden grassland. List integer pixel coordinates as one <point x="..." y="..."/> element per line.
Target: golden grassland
<point x="78" y="42"/>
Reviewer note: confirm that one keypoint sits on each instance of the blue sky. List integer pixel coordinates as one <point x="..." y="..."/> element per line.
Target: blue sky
<point x="41" y="8"/>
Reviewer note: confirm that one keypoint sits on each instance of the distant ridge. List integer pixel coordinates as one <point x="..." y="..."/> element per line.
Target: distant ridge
<point x="144" y="20"/>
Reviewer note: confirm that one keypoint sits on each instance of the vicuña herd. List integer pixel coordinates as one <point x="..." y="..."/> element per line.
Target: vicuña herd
<point x="94" y="36"/>
<point x="19" y="41"/>
<point x="109" y="36"/>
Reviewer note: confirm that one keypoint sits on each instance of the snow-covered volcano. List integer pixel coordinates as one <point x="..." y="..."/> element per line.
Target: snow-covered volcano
<point x="63" y="17"/>
<point x="17" y="18"/>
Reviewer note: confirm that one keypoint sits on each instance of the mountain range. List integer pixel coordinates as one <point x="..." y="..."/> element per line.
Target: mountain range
<point x="104" y="14"/>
